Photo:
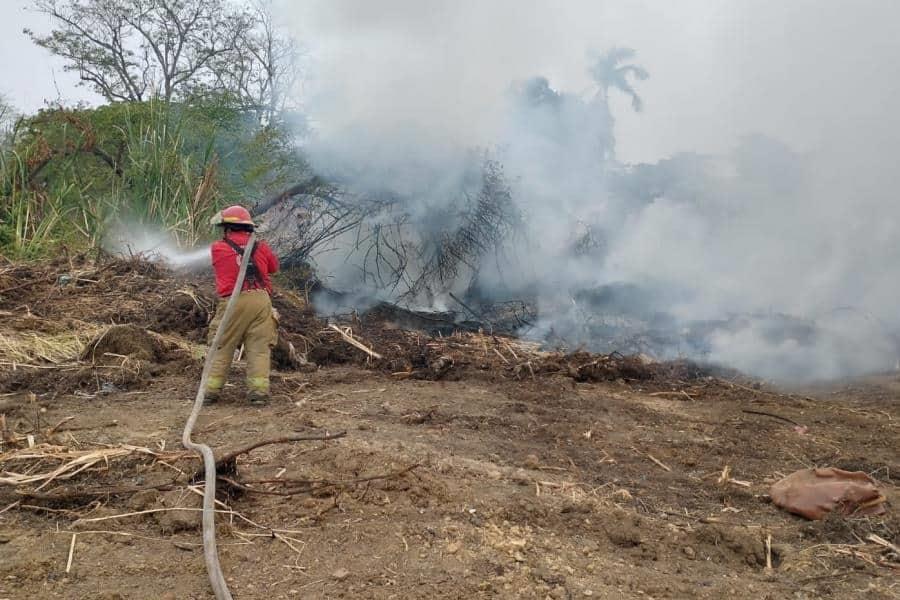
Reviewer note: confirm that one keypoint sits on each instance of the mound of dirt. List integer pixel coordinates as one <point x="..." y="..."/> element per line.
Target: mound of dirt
<point x="108" y="290"/>
<point x="125" y="340"/>
<point x="731" y="545"/>
<point x="586" y="367"/>
<point x="608" y="368"/>
<point x="185" y="312"/>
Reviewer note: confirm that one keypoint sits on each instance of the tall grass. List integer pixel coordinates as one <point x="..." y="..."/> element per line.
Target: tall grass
<point x="30" y="219"/>
<point x="164" y="184"/>
<point x="53" y="190"/>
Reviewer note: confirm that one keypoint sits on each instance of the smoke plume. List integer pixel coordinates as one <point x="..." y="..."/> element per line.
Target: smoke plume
<point x="760" y="232"/>
<point x="133" y="239"/>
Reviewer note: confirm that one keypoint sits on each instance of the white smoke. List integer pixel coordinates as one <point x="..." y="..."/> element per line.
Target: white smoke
<point x="134" y="239"/>
<point x="784" y="227"/>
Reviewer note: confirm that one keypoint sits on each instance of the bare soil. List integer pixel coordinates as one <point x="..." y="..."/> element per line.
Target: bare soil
<point x="513" y="477"/>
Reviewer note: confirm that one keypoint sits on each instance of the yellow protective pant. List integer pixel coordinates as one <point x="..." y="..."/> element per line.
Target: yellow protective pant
<point x="252" y="324"/>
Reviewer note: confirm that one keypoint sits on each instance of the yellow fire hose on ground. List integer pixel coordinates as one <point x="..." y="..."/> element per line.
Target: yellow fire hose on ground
<point x="210" y="554"/>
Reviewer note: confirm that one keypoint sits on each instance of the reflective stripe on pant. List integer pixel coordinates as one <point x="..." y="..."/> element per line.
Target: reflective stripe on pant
<point x="253" y="325"/>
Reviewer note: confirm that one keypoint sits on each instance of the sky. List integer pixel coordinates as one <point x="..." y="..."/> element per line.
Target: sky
<point x="805" y="71"/>
<point x="31" y="76"/>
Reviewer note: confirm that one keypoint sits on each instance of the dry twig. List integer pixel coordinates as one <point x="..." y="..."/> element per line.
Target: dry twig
<point x="768" y="414"/>
<point x="653" y="458"/>
<point x="354" y="342"/>
<point x="71" y="553"/>
<point x="229" y="454"/>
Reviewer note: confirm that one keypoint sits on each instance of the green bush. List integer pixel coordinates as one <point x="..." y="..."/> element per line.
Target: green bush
<point x="71" y="174"/>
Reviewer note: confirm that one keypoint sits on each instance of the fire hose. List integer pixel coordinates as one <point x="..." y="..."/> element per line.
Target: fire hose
<point x="210" y="554"/>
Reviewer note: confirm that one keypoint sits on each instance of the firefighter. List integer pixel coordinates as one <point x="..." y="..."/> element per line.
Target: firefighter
<point x="253" y="322"/>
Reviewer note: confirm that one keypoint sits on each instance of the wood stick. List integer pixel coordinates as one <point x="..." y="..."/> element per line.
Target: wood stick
<point x="246" y="488"/>
<point x="229" y="454"/>
<point x="28" y="366"/>
<point x="337" y="482"/>
<point x="146" y="512"/>
<point x="93" y="493"/>
<point x="501" y="356"/>
<point x="285" y="539"/>
<point x="769" y="552"/>
<point x="11" y="506"/>
<point x="53" y="429"/>
<point x="355" y="343"/>
<point x="653" y="458"/>
<point x="725" y="476"/>
<point x="64" y="511"/>
<point x="71" y="553"/>
<point x="135" y="535"/>
<point x="678" y="393"/>
<point x="657" y="461"/>
<point x="768" y="414"/>
<point x="877" y="539"/>
<point x="749" y="389"/>
<point x="233" y="513"/>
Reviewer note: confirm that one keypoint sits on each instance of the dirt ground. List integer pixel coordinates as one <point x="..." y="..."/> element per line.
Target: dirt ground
<point x="491" y="480"/>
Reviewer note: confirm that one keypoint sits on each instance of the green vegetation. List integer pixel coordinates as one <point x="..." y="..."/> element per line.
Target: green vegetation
<point x="68" y="175"/>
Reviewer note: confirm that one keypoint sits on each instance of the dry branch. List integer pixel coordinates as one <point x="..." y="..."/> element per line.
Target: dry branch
<point x="355" y="343"/>
<point x="75" y="495"/>
<point x="676" y="393"/>
<point x="658" y="462"/>
<point x="309" y="485"/>
<point x="229" y="454"/>
<point x="877" y="539"/>
<point x="773" y="415"/>
<point x="71" y="553"/>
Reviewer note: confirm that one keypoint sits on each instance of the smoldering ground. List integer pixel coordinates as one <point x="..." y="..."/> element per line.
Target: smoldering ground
<point x="750" y="201"/>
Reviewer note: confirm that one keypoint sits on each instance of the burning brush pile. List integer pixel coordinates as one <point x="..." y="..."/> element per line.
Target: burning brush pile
<point x="94" y="326"/>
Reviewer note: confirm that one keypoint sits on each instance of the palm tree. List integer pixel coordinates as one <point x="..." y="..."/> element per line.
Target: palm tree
<point x="609" y="72"/>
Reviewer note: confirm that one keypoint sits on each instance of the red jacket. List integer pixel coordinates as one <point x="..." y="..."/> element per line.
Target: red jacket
<point x="226" y="264"/>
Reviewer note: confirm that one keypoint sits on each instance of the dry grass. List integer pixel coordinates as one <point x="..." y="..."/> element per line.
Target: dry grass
<point x="39" y="348"/>
<point x="42" y="349"/>
<point x="22" y="466"/>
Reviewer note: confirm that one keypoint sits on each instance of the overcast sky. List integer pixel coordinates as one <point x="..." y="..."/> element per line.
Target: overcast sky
<point x="807" y="71"/>
<point x="30" y="75"/>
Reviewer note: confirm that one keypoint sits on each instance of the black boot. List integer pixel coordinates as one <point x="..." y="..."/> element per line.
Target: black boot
<point x="258" y="398"/>
<point x="211" y="396"/>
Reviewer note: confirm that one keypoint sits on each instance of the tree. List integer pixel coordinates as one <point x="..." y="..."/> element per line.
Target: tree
<point x="608" y="72"/>
<point x="8" y="118"/>
<point x="134" y="50"/>
<point x="263" y="70"/>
